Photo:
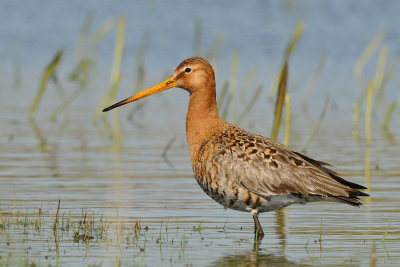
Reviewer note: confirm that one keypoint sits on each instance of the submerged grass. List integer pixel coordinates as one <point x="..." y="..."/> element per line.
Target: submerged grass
<point x="62" y="233"/>
<point x="57" y="232"/>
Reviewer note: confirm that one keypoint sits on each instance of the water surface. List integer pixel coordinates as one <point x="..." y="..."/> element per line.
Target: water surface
<point x="73" y="194"/>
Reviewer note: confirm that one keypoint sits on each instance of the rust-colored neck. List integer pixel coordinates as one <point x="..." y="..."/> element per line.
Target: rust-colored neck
<point x="202" y="119"/>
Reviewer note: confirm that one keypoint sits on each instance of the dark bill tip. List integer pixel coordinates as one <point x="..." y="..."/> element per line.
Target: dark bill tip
<point x="120" y="103"/>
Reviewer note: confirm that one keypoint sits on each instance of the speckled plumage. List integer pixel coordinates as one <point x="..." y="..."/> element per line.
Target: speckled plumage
<point x="241" y="170"/>
<point x="244" y="171"/>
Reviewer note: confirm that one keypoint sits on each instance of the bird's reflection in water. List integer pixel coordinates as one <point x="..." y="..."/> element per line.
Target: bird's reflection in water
<point x="258" y="256"/>
<point x="280" y="230"/>
<point x="280" y="227"/>
<point x="255" y="258"/>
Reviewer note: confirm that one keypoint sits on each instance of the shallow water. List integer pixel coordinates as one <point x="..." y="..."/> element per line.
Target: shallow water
<point x="72" y="195"/>
<point x="180" y="225"/>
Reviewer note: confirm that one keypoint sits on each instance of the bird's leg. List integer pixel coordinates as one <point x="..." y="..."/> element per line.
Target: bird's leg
<point x="258" y="231"/>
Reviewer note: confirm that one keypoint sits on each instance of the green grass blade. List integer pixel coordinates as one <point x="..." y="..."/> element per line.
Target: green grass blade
<point x="367" y="53"/>
<point x="297" y="33"/>
<point x="101" y="32"/>
<point x="391" y="71"/>
<point x="39" y="136"/>
<point x="17" y="73"/>
<point x="83" y="38"/>
<point x="292" y="44"/>
<point x="380" y="71"/>
<point x="367" y="170"/>
<point x="213" y="51"/>
<point x="288" y="117"/>
<point x="389" y="113"/>
<point x="48" y="72"/>
<point x="226" y="107"/>
<point x="280" y="100"/>
<point x="65" y="103"/>
<point x="86" y="58"/>
<point x="385" y="125"/>
<point x="233" y="83"/>
<point x="164" y="153"/>
<point x="140" y="74"/>
<point x="118" y="55"/>
<point x="224" y="93"/>
<point x="115" y="78"/>
<point x="249" y="105"/>
<point x="247" y="82"/>
<point x="318" y="125"/>
<point x="368" y="110"/>
<point x="314" y="78"/>
<point x="197" y="38"/>
<point x="356" y="118"/>
<point x="138" y="64"/>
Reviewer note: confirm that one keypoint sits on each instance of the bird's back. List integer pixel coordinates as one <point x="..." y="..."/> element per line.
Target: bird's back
<point x="244" y="171"/>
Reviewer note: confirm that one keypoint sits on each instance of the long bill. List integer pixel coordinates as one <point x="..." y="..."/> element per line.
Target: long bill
<point x="167" y="84"/>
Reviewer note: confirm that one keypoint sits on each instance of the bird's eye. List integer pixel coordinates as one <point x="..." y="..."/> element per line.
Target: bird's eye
<point x="188" y="70"/>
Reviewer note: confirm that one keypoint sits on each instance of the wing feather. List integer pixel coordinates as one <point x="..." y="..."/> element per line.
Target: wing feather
<point x="268" y="168"/>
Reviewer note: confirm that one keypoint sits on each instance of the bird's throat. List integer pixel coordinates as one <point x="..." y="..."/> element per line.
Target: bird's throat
<point x="201" y="121"/>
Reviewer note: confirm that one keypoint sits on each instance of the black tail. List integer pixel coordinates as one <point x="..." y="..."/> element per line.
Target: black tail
<point x="355" y="201"/>
<point x="352" y="199"/>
